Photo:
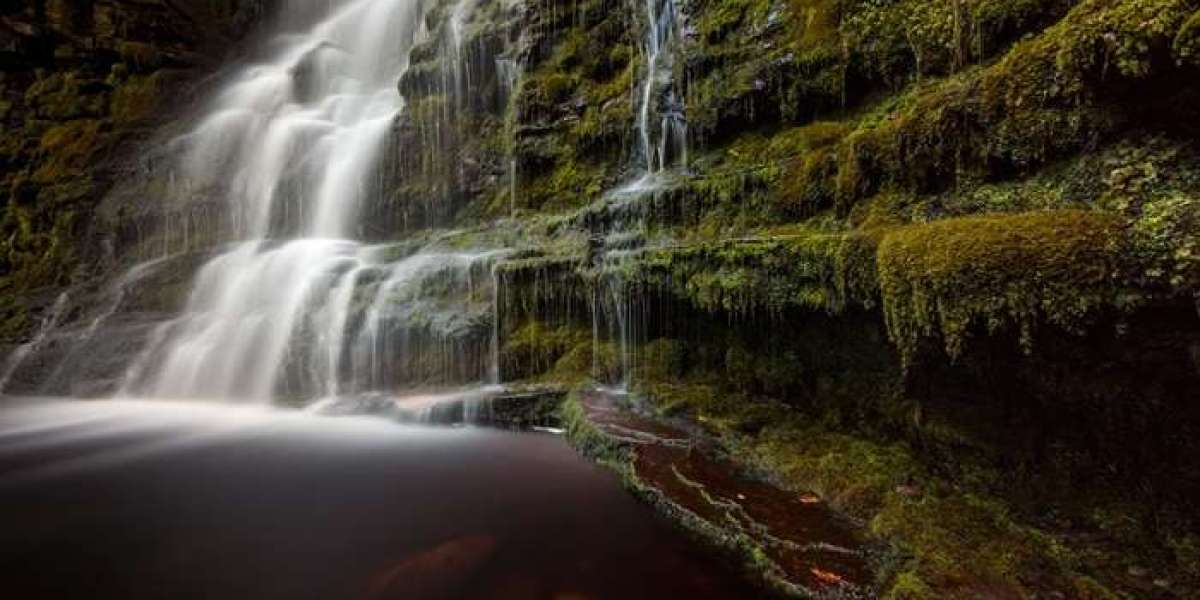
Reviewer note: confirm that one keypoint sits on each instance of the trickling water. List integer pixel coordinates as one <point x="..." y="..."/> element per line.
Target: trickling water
<point x="662" y="136"/>
<point x="18" y="356"/>
<point x="510" y="71"/>
<point x="663" y="143"/>
<point x="113" y="301"/>
<point x="455" y="24"/>
<point x="119" y="290"/>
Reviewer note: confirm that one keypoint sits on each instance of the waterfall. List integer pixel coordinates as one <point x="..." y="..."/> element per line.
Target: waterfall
<point x="510" y="71"/>
<point x="293" y="143"/>
<point x="663" y="152"/>
<point x="662" y="128"/>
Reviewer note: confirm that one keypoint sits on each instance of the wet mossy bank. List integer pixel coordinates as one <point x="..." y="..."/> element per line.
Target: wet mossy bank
<point x="1034" y="461"/>
<point x="789" y="543"/>
<point x="933" y="261"/>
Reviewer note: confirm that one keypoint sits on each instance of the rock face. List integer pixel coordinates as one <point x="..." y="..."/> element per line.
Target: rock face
<point x="81" y="83"/>
<point x="956" y="235"/>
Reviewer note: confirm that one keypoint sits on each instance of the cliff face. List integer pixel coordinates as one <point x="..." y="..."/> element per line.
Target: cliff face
<point x="945" y="247"/>
<point x="936" y="261"/>
<point x="83" y="83"/>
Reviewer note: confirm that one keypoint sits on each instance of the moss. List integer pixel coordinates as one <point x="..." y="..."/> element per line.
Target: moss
<point x="141" y="56"/>
<point x="570" y="185"/>
<point x="67" y="95"/>
<point x="1167" y="248"/>
<point x="68" y="149"/>
<point x="807" y="186"/>
<point x="15" y="319"/>
<point x="587" y="361"/>
<point x="909" y="586"/>
<point x="1047" y="98"/>
<point x="136" y="99"/>
<point x="542" y="91"/>
<point x="591" y="442"/>
<point x="893" y="41"/>
<point x="814" y="271"/>
<point x="535" y="349"/>
<point x="756" y="63"/>
<point x="823" y="55"/>
<point x="941" y="279"/>
<point x="817" y="23"/>
<point x="1187" y="41"/>
<point x="1186" y="550"/>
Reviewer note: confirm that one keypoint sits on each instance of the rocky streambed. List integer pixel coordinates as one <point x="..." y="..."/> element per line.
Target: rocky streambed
<point x="792" y="541"/>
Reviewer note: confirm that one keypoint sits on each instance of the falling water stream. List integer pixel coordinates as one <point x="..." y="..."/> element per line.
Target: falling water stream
<point x="294" y="141"/>
<point x="661" y="125"/>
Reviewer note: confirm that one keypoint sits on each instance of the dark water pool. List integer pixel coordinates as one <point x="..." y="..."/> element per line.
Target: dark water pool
<point x="118" y="499"/>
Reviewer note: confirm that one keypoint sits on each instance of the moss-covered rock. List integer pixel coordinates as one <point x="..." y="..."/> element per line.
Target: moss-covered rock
<point x="1187" y="41"/>
<point x="814" y="271"/>
<point x="78" y="82"/>
<point x="1048" y="97"/>
<point x="1055" y="267"/>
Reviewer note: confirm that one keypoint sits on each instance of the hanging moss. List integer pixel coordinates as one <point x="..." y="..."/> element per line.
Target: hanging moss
<point x="535" y="349"/>
<point x="766" y="275"/>
<point x="1187" y="41"/>
<point x="942" y="279"/>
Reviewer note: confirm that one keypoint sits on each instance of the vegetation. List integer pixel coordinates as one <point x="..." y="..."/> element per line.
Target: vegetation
<point x="911" y="233"/>
<point x="1053" y="267"/>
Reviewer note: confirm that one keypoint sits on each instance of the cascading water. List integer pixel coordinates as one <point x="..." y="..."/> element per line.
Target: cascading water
<point x="510" y="71"/>
<point x="294" y="143"/>
<point x="18" y="356"/>
<point x="663" y="151"/>
<point x="662" y="127"/>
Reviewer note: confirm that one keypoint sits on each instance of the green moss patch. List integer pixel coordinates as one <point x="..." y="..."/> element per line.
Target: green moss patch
<point x="941" y="279"/>
<point x="815" y="271"/>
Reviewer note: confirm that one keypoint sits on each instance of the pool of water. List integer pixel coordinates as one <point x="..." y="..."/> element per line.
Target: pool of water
<point x="140" y="499"/>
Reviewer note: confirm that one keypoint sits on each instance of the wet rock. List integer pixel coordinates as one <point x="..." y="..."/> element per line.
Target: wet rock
<point x="798" y="546"/>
